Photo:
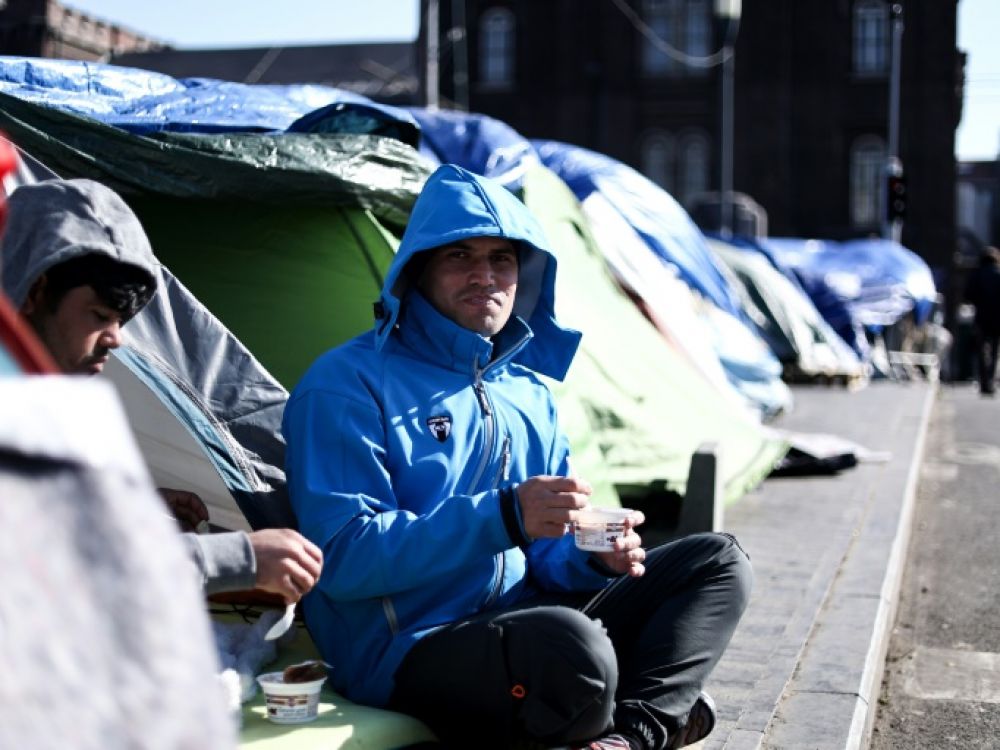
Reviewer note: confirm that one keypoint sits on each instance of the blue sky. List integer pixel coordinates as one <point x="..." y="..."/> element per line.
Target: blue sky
<point x="228" y="23"/>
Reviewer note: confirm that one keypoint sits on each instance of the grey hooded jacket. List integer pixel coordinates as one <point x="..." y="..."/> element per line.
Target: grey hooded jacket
<point x="53" y="221"/>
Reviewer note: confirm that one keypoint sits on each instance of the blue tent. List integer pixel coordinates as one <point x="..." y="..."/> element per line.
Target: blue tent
<point x="479" y="143"/>
<point x="857" y="285"/>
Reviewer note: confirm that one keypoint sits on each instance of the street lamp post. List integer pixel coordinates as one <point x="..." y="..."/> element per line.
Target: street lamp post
<point x="432" y="74"/>
<point x="728" y="13"/>
<point x="891" y="225"/>
<point x="459" y="56"/>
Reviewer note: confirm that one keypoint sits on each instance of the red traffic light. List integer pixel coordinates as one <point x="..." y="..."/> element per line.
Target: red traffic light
<point x="896" y="203"/>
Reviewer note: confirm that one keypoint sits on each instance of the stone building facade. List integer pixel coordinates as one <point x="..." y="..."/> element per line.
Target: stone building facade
<point x="811" y="101"/>
<point x="45" y="28"/>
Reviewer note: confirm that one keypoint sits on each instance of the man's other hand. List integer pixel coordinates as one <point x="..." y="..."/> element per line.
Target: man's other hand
<point x="287" y="563"/>
<point x="186" y="507"/>
<point x="549" y="503"/>
<point x="628" y="554"/>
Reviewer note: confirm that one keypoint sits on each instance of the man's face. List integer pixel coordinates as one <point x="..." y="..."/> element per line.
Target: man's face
<point x="473" y="283"/>
<point x="79" y="333"/>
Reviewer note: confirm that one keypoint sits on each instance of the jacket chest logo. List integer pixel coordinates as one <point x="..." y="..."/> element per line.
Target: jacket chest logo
<point x="440" y="427"/>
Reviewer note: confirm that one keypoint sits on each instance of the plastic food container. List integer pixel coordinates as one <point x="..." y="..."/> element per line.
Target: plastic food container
<point x="290" y="702"/>
<point x="596" y="529"/>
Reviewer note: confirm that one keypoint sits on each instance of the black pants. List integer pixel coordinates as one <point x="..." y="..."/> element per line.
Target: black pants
<point x="986" y="358"/>
<point x="568" y="667"/>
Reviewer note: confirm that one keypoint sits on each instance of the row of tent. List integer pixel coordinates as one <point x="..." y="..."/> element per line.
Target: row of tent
<point x="275" y="212"/>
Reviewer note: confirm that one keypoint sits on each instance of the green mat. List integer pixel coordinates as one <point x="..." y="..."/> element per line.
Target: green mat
<point x="339" y="725"/>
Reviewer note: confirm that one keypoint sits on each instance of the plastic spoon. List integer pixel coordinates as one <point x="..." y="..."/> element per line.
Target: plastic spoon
<point x="281" y="626"/>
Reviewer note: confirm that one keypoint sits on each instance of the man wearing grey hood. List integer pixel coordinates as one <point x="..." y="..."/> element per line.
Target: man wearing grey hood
<point x="78" y="266"/>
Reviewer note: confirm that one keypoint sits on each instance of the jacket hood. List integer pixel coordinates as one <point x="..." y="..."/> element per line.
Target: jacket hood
<point x="53" y="221"/>
<point x="455" y="205"/>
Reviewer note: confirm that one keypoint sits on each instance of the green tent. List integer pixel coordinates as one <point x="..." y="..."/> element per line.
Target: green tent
<point x="288" y="281"/>
<point x="635" y="408"/>
<point x="284" y="238"/>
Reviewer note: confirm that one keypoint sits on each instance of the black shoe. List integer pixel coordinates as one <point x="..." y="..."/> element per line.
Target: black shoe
<point x="700" y="723"/>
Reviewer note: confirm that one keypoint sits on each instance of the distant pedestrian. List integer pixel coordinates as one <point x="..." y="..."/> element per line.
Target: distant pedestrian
<point x="983" y="291"/>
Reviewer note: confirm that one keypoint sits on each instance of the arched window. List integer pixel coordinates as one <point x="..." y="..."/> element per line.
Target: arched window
<point x="693" y="166"/>
<point x="871" y="37"/>
<point x="496" y="47"/>
<point x="683" y="24"/>
<point x="867" y="166"/>
<point x="657" y="159"/>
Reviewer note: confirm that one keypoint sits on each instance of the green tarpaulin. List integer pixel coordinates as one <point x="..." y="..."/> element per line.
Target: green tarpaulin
<point x="636" y="402"/>
<point x="364" y="171"/>
<point x="289" y="281"/>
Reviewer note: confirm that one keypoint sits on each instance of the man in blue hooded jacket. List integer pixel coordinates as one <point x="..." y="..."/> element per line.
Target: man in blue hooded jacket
<point x="425" y="459"/>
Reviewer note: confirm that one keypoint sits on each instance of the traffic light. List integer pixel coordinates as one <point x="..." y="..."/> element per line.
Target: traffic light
<point x="896" y="204"/>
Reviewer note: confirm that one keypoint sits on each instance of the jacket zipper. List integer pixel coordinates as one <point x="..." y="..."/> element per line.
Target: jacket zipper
<point x="484" y="405"/>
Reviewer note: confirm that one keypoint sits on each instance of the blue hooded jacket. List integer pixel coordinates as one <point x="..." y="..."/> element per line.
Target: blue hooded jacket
<point x="404" y="445"/>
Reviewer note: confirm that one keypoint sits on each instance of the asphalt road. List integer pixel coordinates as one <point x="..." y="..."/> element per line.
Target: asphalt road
<point x="942" y="680"/>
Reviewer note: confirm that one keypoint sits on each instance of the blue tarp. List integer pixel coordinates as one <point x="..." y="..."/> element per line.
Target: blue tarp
<point x="831" y="306"/>
<point x="479" y="143"/>
<point x="856" y="285"/>
<point x="144" y="102"/>
<point x="652" y="212"/>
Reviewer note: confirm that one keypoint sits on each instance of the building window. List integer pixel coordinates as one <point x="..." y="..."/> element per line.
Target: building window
<point x="684" y="25"/>
<point x="657" y="159"/>
<point x="679" y="165"/>
<point x="693" y="166"/>
<point x="871" y="38"/>
<point x="867" y="163"/>
<point x="496" y="47"/>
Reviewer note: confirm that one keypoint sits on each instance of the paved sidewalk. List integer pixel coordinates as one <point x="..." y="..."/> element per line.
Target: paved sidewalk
<point x="805" y="665"/>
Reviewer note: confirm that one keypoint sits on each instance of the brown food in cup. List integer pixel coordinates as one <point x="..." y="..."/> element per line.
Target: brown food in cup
<point x="306" y="671"/>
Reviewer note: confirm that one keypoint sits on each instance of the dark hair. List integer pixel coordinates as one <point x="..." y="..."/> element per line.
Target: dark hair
<point x="123" y="287"/>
